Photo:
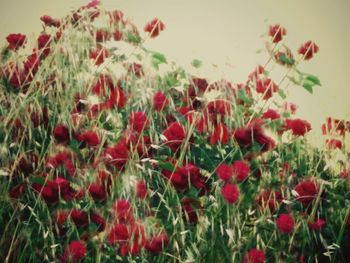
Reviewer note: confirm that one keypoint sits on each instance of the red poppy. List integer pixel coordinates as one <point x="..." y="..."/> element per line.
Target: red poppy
<point x="334" y="144"/>
<point x="271" y="114"/>
<point x="240" y="170"/>
<point x="307" y="191"/>
<point x="75" y="251"/>
<point x="308" y="49"/>
<point x="224" y="171"/>
<point x="119" y="234"/>
<point x="254" y="256"/>
<point x="123" y="211"/>
<point x="44" y="41"/>
<point x="298" y="126"/>
<point x="175" y="135"/>
<point x="154" y="27"/>
<point x="230" y="193"/>
<point x="138" y="121"/>
<point x="220" y="135"/>
<point x="157" y="243"/>
<point x="98" y="55"/>
<point x="16" y="41"/>
<point x="49" y="21"/>
<point x="277" y="32"/>
<point x="88" y="138"/>
<point x="266" y="87"/>
<point x="160" y="102"/>
<point x="80" y="218"/>
<point x="318" y="225"/>
<point x="102" y="35"/>
<point x="285" y="223"/>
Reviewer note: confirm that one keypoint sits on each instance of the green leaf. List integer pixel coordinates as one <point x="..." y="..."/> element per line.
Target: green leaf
<point x="166" y="166"/>
<point x="315" y="80"/>
<point x="286" y="60"/>
<point x="242" y="96"/>
<point x="159" y="57"/>
<point x="282" y="94"/>
<point x="38" y="180"/>
<point x="196" y="63"/>
<point x="308" y="86"/>
<point x="133" y="38"/>
<point x="294" y="80"/>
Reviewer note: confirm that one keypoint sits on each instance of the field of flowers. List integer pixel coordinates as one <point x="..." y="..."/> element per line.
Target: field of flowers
<point x="107" y="157"/>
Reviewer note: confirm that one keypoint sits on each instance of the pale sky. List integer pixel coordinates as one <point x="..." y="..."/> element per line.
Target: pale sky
<point x="227" y="33"/>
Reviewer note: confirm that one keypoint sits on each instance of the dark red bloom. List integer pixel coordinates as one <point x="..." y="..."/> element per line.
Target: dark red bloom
<point x="141" y="189"/>
<point x="136" y="69"/>
<point x="318" y="225"/>
<point x="251" y="133"/>
<point x="117" y="155"/>
<point x="160" y="102"/>
<point x="266" y="87"/>
<point x="16" y="41"/>
<point x="224" y="171"/>
<point x="307" y="191"/>
<point x="17" y="191"/>
<point x="175" y="135"/>
<point x="97" y="191"/>
<point x="254" y="256"/>
<point x="190" y="214"/>
<point x="61" y="133"/>
<point x="88" y="138"/>
<point x="116" y="16"/>
<point x="119" y="234"/>
<point x="80" y="218"/>
<point x="298" y="126"/>
<point x="123" y="211"/>
<point x="75" y="251"/>
<point x="117" y="35"/>
<point x="99" y="221"/>
<point x="61" y="159"/>
<point x="218" y="109"/>
<point x="157" y="243"/>
<point x="277" y="32"/>
<point x="220" y="135"/>
<point x="98" y="55"/>
<point x="308" y="49"/>
<point x="102" y="35"/>
<point x="285" y="223"/>
<point x="241" y="170"/>
<point x="44" y="41"/>
<point x="271" y="114"/>
<point x="230" y="193"/>
<point x="269" y="199"/>
<point x="154" y="27"/>
<point x="334" y="144"/>
<point x="49" y="21"/>
<point x="138" y="121"/>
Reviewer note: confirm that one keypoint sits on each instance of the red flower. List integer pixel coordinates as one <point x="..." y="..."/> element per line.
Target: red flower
<point x="277" y="32"/>
<point x="154" y="27"/>
<point x="157" y="243"/>
<point x="75" y="251"/>
<point x="99" y="221"/>
<point x="123" y="211"/>
<point x="44" y="41"/>
<point x="61" y="133"/>
<point x="254" y="256"/>
<point x="16" y="41"/>
<point x="79" y="217"/>
<point x="271" y="114"/>
<point x="241" y="170"/>
<point x="175" y="135"/>
<point x="141" y="189"/>
<point x="269" y="199"/>
<point x="224" y="171"/>
<point x="88" y="138"/>
<point x="97" y="191"/>
<point x="136" y="69"/>
<point x="307" y="191"/>
<point x="138" y="121"/>
<point x="285" y="223"/>
<point x="230" y="193"/>
<point x="189" y="212"/>
<point x="220" y="135"/>
<point x="102" y="35"/>
<point x="218" y="109"/>
<point x="98" y="55"/>
<point x="334" y="143"/>
<point x="49" y="21"/>
<point x="318" y="225"/>
<point x="160" y="102"/>
<point x="116" y="16"/>
<point x="308" y="49"/>
<point x="117" y="35"/>
<point x="267" y="87"/>
<point x="119" y="234"/>
<point x="117" y="155"/>
<point x="298" y="126"/>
